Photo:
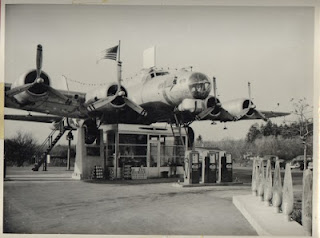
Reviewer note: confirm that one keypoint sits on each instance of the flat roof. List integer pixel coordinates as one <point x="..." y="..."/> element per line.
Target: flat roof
<point x="148" y="129"/>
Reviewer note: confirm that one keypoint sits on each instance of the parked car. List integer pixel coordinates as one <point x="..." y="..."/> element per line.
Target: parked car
<point x="295" y="165"/>
<point x="273" y="159"/>
<point x="298" y="162"/>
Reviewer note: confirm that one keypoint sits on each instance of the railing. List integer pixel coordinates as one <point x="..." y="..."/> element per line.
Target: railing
<point x="45" y="143"/>
<point x="282" y="196"/>
<point x="41" y="153"/>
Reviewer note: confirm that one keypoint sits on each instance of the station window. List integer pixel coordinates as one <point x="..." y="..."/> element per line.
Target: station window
<point x="171" y="151"/>
<point x="132" y="139"/>
<point x="111" y="150"/>
<point x="133" y="150"/>
<point x="134" y="162"/>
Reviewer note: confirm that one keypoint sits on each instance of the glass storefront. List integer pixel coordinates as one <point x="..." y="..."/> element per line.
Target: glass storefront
<point x="132" y="150"/>
<point x="171" y="151"/>
<point x="152" y="150"/>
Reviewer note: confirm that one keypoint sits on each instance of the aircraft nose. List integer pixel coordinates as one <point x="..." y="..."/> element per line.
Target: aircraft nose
<point x="199" y="85"/>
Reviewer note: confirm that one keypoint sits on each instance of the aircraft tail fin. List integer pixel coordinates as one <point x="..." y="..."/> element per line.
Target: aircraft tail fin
<point x="149" y="57"/>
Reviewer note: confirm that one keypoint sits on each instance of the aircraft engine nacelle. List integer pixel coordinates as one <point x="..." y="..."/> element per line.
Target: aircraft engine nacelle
<point x="90" y="131"/>
<point x="105" y="92"/>
<point x="191" y="105"/>
<point x="212" y="102"/>
<point x="89" y="125"/>
<point x="240" y="107"/>
<point x="68" y="123"/>
<point x="35" y="92"/>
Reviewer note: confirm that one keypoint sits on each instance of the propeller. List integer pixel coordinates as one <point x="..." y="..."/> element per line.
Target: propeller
<point x="39" y="61"/>
<point x="135" y="106"/>
<point x="19" y="89"/>
<point x="262" y="115"/>
<point x="251" y="106"/>
<point x="249" y="91"/>
<point x="105" y="101"/>
<point x="57" y="93"/>
<point x="101" y="103"/>
<point x="25" y="87"/>
<point x="214" y="86"/>
<point x="217" y="104"/>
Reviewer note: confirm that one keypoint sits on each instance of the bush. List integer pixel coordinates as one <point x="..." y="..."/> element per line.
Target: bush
<point x="19" y="149"/>
<point x="284" y="148"/>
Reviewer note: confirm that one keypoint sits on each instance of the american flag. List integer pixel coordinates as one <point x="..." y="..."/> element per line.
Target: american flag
<point x="110" y="53"/>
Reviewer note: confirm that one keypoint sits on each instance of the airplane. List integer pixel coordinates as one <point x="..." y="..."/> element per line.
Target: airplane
<point x="179" y="97"/>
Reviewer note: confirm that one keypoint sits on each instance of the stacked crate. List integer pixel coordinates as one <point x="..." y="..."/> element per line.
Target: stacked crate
<point x="127" y="171"/>
<point x="111" y="173"/>
<point x="138" y="173"/>
<point x="97" y="172"/>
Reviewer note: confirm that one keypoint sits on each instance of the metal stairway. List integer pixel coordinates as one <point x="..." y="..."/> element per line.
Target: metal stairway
<point x="41" y="155"/>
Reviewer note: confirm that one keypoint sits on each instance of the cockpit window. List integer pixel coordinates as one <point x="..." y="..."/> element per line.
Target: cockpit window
<point x="199" y="85"/>
<point x="155" y="74"/>
<point x="161" y="73"/>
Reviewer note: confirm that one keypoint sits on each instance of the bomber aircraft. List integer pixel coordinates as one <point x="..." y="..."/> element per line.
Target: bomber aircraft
<point x="179" y="97"/>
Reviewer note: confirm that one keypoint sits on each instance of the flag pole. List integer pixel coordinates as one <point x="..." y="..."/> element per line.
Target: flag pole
<point x="119" y="69"/>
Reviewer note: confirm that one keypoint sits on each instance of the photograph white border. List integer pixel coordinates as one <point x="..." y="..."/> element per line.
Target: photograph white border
<point x="315" y="4"/>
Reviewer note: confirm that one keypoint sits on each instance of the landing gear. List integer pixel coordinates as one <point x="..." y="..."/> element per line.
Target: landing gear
<point x="189" y="133"/>
<point x="188" y="130"/>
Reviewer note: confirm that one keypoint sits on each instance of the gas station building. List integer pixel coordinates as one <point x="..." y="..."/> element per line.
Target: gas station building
<point x="153" y="151"/>
<point x="125" y="151"/>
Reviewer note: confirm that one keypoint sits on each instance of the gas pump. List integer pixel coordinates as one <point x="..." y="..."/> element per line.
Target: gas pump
<point x="226" y="168"/>
<point x="210" y="167"/>
<point x="192" y="167"/>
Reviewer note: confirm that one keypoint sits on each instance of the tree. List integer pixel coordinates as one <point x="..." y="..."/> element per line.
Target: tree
<point x="253" y="133"/>
<point x="304" y="124"/>
<point x="19" y="149"/>
<point x="284" y="148"/>
<point x="267" y="130"/>
<point x="199" y="140"/>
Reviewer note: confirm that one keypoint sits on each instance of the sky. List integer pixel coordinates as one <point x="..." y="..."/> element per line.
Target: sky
<point x="272" y="47"/>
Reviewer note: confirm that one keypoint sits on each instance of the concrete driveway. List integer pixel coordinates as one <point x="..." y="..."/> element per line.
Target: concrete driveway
<point x="43" y="206"/>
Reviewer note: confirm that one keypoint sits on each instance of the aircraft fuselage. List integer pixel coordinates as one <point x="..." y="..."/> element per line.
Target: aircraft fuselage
<point x="170" y="89"/>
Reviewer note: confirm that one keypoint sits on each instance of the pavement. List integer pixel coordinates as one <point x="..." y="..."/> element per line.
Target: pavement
<point x="51" y="203"/>
<point x="264" y="218"/>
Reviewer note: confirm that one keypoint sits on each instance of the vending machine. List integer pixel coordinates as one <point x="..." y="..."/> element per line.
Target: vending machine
<point x="192" y="167"/>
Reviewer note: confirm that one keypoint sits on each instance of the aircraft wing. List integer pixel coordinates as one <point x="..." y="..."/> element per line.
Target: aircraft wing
<point x="56" y="102"/>
<point x="264" y="115"/>
<point x="33" y="118"/>
<point x="267" y="114"/>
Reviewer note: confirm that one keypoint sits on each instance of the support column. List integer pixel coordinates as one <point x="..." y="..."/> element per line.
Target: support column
<point x="69" y="138"/>
<point x="85" y="162"/>
<point x="80" y="154"/>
